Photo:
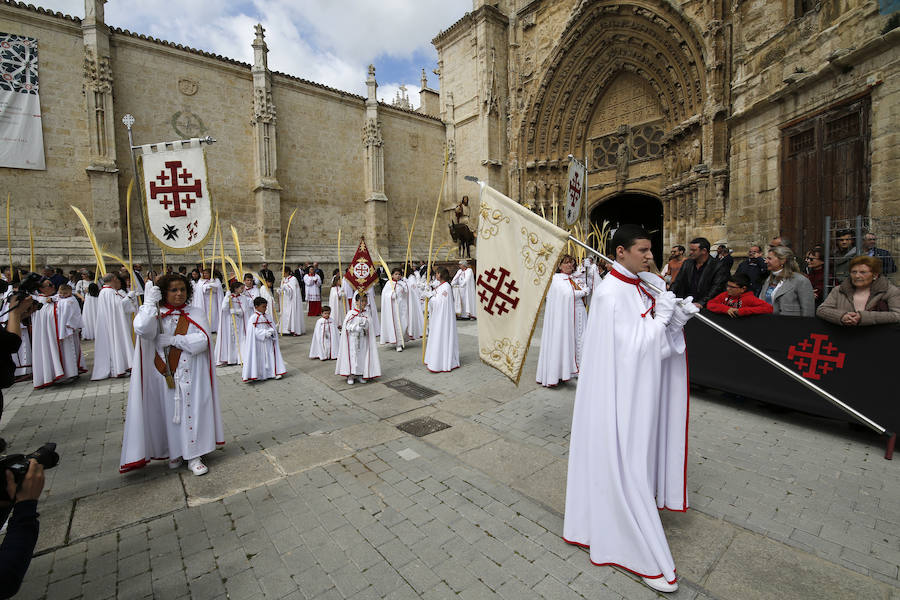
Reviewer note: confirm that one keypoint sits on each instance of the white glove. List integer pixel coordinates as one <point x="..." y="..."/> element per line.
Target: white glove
<point x="235" y="311"/>
<point x="132" y="294"/>
<point x="428" y="294"/>
<point x="684" y="310"/>
<point x="272" y="334"/>
<point x="665" y="306"/>
<point x="165" y="339"/>
<point x="152" y="295"/>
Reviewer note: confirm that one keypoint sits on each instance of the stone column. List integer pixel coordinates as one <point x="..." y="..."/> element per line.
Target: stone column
<point x="377" y="234"/>
<point x="450" y="188"/>
<point x="101" y="168"/>
<point x="266" y="190"/>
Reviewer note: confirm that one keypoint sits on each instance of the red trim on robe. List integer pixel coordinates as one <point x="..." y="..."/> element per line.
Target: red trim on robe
<point x="611" y="564"/>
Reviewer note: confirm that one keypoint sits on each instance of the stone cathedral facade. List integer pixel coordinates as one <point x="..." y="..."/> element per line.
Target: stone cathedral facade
<point x="733" y="119"/>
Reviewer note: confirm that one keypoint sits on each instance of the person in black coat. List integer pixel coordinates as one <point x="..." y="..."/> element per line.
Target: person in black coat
<point x="754" y="267"/>
<point x="701" y="276"/>
<point x="266" y="274"/>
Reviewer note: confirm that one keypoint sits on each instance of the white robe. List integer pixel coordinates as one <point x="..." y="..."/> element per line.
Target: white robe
<point x="325" y="340"/>
<point x="561" y="337"/>
<point x="621" y="428"/>
<point x="394" y="312"/>
<point x="442" y="346"/>
<point x="313" y="284"/>
<point x="208" y="296"/>
<point x="292" y="314"/>
<point x="464" y="281"/>
<point x="350" y="294"/>
<point x="416" y="319"/>
<point x="89" y="317"/>
<point x="51" y="359"/>
<point x="113" y="348"/>
<point x="230" y="339"/>
<point x="588" y="277"/>
<point x="260" y="290"/>
<point x="262" y="353"/>
<point x="22" y="358"/>
<point x="358" y="352"/>
<point x="70" y="322"/>
<point x="160" y="422"/>
<point x="337" y="303"/>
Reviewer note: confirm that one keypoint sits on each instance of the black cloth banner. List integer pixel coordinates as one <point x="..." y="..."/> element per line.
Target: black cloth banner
<point x="858" y="365"/>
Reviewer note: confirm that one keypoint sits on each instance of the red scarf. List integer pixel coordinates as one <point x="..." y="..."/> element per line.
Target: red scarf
<point x="641" y="289"/>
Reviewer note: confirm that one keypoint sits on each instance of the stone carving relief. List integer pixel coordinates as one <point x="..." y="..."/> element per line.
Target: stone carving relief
<point x="187" y="124"/>
<point x="97" y="72"/>
<point x="263" y="106"/>
<point x="372" y="133"/>
<point x="530" y="193"/>
<point x="188" y="87"/>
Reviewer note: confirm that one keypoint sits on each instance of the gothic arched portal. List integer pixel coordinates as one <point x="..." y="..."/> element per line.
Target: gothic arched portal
<point x="633" y="208"/>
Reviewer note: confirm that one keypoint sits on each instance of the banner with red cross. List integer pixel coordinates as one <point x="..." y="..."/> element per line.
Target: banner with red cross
<point x="517" y="256"/>
<point x="361" y="271"/>
<point x="575" y="186"/>
<point x="176" y="195"/>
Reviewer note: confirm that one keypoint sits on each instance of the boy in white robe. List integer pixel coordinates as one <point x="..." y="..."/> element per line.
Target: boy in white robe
<point x="350" y="293"/>
<point x="70" y="320"/>
<point x="89" y="311"/>
<point x="564" y="321"/>
<point x="394" y="311"/>
<point x="313" y="287"/>
<point x="336" y="298"/>
<point x="358" y="352"/>
<point x="292" y="318"/>
<point x="325" y="337"/>
<point x="442" y="345"/>
<point x="619" y="471"/>
<point x="254" y="287"/>
<point x="173" y="402"/>
<point x="464" y="289"/>
<point x="416" y="320"/>
<point x="262" y="353"/>
<point x="233" y="318"/>
<point x="208" y="296"/>
<point x="113" y="348"/>
<point x="52" y="360"/>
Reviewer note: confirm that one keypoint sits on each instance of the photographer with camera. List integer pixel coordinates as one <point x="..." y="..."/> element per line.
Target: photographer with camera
<point x="22" y="528"/>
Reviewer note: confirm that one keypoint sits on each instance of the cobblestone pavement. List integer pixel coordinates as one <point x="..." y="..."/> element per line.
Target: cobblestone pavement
<point x="317" y="494"/>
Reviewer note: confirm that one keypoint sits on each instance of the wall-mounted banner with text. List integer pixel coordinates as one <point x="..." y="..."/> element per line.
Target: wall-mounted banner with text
<point x="21" y="137"/>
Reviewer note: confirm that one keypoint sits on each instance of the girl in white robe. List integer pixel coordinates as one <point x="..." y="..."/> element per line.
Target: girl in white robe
<point x="442" y="345"/>
<point x="336" y="298"/>
<point x="262" y="353"/>
<point x="233" y="319"/>
<point x="51" y="359"/>
<point x="325" y="339"/>
<point x="464" y="291"/>
<point x="89" y="311"/>
<point x="358" y="352"/>
<point x="70" y="323"/>
<point x="416" y="319"/>
<point x="292" y="318"/>
<point x="394" y="311"/>
<point x="179" y="422"/>
<point x="564" y="320"/>
<point x="208" y="296"/>
<point x="113" y="349"/>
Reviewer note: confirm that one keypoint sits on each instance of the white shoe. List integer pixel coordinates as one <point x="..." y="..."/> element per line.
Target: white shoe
<point x="174" y="464"/>
<point x="197" y="467"/>
<point x="278" y="377"/>
<point x="350" y="380"/>
<point x="660" y="584"/>
<point x="361" y="380"/>
<point x="399" y="348"/>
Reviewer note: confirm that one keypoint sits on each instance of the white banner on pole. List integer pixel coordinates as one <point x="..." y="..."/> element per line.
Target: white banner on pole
<point x="176" y="195"/>
<point x="21" y="136"/>
<point x="575" y="190"/>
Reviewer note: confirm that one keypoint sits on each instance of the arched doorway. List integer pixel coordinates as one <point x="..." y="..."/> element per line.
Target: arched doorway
<point x="635" y="208"/>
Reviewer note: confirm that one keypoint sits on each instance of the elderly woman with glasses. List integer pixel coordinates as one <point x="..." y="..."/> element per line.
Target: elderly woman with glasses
<point x="864" y="298"/>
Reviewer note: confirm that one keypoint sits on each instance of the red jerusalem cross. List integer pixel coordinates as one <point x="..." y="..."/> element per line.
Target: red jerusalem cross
<point x="574" y="190"/>
<point x="492" y="296"/>
<point x="817" y="359"/>
<point x="175" y="190"/>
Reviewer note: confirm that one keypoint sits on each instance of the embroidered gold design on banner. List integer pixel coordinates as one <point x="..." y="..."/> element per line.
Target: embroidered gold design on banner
<point x="490" y="222"/>
<point x="505" y="355"/>
<point x="535" y="255"/>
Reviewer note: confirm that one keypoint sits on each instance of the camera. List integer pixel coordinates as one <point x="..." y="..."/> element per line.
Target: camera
<point x="28" y="286"/>
<point x="18" y="464"/>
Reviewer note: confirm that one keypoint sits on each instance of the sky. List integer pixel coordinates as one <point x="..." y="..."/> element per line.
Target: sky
<point x="331" y="42"/>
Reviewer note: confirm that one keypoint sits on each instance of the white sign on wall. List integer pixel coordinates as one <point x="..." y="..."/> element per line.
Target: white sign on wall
<point x="21" y="136"/>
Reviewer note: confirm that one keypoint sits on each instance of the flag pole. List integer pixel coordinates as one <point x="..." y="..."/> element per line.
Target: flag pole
<point x="128" y="121"/>
<point x="760" y="354"/>
<point x="437" y="208"/>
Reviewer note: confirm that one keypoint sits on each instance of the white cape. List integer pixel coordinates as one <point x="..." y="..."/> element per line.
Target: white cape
<point x="416" y="319"/>
<point x="442" y="345"/>
<point x="325" y="340"/>
<point x="337" y="304"/>
<point x="394" y="312"/>
<point x="464" y="281"/>
<point x="292" y="315"/>
<point x="233" y="317"/>
<point x="262" y="353"/>
<point x="619" y="472"/>
<point x="561" y="337"/>
<point x="358" y="351"/>
<point x="113" y="347"/>
<point x="350" y="294"/>
<point x="208" y="296"/>
<point x="52" y="357"/>
<point x="88" y="317"/>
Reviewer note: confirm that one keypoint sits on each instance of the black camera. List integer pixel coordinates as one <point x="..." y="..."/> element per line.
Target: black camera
<point x="28" y="286"/>
<point x="18" y="464"/>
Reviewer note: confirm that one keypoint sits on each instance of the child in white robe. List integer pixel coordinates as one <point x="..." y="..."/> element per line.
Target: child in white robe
<point x="358" y="352"/>
<point x="292" y="321"/>
<point x="262" y="354"/>
<point x="325" y="337"/>
<point x="442" y="345"/>
<point x="70" y="322"/>
<point x="233" y="324"/>
<point x="394" y="300"/>
<point x="52" y="360"/>
<point x="89" y="311"/>
<point x="336" y="298"/>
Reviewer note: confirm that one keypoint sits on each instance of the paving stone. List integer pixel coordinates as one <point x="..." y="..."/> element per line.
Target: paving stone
<point x="99" y="513"/>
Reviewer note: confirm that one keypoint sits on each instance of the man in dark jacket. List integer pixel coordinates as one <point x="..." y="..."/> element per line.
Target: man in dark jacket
<point x="754" y="267"/>
<point x="700" y="276"/>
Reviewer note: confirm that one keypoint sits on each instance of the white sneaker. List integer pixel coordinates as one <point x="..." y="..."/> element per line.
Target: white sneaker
<point x="361" y="380"/>
<point x="197" y="467"/>
<point x="350" y="380"/>
<point x="174" y="464"/>
<point x="660" y="584"/>
<point x="399" y="348"/>
<point x="278" y="377"/>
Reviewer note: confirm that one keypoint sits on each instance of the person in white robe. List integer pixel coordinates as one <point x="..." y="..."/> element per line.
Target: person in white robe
<point x="255" y="287"/>
<point x="292" y="318"/>
<point x="394" y="310"/>
<point x="358" y="351"/>
<point x="233" y="317"/>
<point x="51" y="360"/>
<point x="464" y="289"/>
<point x="619" y="470"/>
<point x="442" y="344"/>
<point x="588" y="277"/>
<point x="173" y="410"/>
<point x="564" y="320"/>
<point x="208" y="296"/>
<point x="336" y="299"/>
<point x="262" y="352"/>
<point x="113" y="348"/>
<point x="325" y="339"/>
<point x="313" y="286"/>
<point x="415" y="322"/>
<point x="21" y="358"/>
<point x="89" y="311"/>
<point x="70" y="320"/>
